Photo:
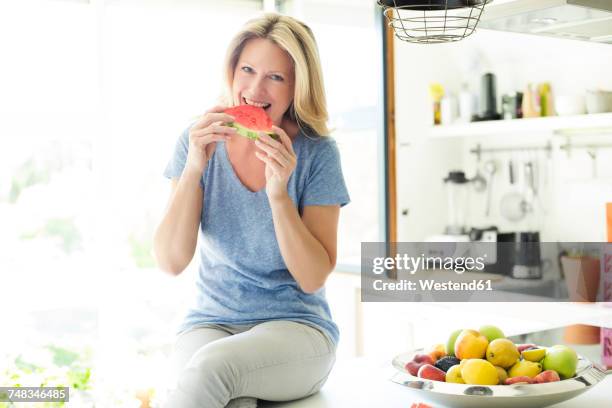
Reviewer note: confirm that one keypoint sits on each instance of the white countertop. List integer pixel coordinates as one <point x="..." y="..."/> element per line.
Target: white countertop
<point x="363" y="383"/>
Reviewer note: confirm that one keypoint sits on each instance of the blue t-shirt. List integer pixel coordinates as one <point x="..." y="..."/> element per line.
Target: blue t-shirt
<point x="242" y="277"/>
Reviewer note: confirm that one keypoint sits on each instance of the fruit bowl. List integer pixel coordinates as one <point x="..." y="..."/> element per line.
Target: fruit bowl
<point x="520" y="395"/>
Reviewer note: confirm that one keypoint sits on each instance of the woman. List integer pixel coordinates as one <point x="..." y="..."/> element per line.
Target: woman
<point x="268" y="215"/>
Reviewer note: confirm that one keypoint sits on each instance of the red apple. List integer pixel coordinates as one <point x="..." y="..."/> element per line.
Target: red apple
<point x="423" y="358"/>
<point x="547" y="376"/>
<point x="430" y="372"/>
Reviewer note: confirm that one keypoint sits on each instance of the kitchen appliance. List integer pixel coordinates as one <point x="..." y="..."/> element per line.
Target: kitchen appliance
<point x="528" y="264"/>
<point x="588" y="20"/>
<point x="432" y="21"/>
<point x="488" y="99"/>
<point x="457" y="194"/>
<point x="589" y="373"/>
<point x="517" y="255"/>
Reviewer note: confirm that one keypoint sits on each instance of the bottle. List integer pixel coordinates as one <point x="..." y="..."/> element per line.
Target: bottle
<point x="530" y="109"/>
<point x="436" y="91"/>
<point x="448" y="108"/>
<point x="546" y="107"/>
<point x="467" y="104"/>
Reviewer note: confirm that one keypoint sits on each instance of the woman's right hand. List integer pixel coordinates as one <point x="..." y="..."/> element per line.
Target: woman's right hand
<point x="203" y="136"/>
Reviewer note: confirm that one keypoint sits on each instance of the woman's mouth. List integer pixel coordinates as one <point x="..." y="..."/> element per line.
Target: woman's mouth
<point x="263" y="105"/>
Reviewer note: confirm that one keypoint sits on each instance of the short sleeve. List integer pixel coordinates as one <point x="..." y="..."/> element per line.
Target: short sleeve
<point x="177" y="161"/>
<point x="325" y="182"/>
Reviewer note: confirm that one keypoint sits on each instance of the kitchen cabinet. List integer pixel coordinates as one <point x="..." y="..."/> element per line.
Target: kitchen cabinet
<point x="600" y="123"/>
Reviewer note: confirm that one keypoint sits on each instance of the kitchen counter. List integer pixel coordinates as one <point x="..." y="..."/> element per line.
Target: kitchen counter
<point x="364" y="382"/>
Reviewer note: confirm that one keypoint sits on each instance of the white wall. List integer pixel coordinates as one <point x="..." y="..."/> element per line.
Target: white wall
<point x="573" y="200"/>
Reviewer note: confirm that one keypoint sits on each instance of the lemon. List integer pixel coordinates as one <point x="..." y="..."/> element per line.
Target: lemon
<point x="525" y="368"/>
<point x="477" y="371"/>
<point x="502" y="353"/>
<point x="534" y="354"/>
<point x="453" y="375"/>
<point x="502" y="374"/>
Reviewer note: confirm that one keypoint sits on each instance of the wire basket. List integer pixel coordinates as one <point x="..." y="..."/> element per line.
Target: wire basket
<point x="433" y="21"/>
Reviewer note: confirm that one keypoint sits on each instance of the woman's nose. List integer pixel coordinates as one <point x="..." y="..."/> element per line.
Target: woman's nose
<point x="256" y="87"/>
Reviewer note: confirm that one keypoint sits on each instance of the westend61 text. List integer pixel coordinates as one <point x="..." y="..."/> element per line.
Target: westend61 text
<point x="431" y="285"/>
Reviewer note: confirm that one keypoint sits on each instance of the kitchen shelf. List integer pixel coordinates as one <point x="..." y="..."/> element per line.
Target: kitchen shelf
<point x="599" y="123"/>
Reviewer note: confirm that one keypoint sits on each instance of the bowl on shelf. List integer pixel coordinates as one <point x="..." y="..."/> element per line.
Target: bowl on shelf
<point x="599" y="101"/>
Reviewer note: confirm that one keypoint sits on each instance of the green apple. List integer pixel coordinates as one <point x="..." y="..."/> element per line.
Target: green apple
<point x="561" y="359"/>
<point x="491" y="332"/>
<point x="450" y="344"/>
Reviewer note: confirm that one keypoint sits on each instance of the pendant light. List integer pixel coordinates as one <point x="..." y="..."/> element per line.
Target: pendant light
<point x="432" y="21"/>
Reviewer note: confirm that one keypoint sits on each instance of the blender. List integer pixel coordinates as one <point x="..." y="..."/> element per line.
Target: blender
<point x="457" y="194"/>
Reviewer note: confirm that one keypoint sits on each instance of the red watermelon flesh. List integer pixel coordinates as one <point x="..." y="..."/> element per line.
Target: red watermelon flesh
<point x="250" y="120"/>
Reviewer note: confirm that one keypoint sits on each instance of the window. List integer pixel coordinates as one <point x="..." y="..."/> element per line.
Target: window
<point x="94" y="95"/>
<point x="350" y="48"/>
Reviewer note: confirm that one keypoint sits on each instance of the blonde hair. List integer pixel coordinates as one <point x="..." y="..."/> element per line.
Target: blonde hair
<point x="309" y="106"/>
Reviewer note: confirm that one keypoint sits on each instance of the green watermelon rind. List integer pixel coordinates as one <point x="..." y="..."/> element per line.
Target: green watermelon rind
<point x="250" y="133"/>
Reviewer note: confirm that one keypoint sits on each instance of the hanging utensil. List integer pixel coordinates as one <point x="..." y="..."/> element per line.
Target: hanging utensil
<point x="478" y="181"/>
<point x="490" y="168"/>
<point x="513" y="206"/>
<point x="511" y="171"/>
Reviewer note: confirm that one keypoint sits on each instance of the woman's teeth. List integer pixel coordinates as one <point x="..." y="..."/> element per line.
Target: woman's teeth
<point x="258" y="104"/>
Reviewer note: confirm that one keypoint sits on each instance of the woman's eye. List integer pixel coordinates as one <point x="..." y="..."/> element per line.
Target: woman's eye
<point x="276" y="77"/>
<point x="247" y="69"/>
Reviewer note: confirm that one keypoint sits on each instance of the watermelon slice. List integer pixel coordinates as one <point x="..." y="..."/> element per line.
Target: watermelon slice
<point x="250" y="120"/>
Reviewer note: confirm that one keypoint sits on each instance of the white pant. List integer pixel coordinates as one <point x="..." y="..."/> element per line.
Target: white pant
<point x="234" y="365"/>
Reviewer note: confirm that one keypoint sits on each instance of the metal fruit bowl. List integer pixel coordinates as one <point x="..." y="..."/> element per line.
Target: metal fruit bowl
<point x="587" y="375"/>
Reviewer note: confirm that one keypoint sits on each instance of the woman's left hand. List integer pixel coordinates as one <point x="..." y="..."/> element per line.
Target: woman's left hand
<point x="280" y="160"/>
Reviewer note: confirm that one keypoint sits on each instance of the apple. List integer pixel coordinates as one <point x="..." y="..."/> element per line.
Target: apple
<point x="523" y="347"/>
<point x="417" y="361"/>
<point x="561" y="359"/>
<point x="491" y="333"/>
<point x="450" y="344"/>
